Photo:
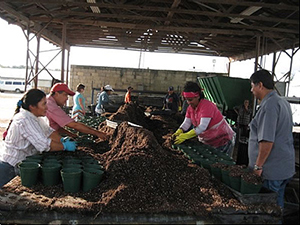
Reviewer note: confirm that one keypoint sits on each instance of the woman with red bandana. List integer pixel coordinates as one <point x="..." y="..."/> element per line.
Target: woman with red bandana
<point x="207" y="120"/>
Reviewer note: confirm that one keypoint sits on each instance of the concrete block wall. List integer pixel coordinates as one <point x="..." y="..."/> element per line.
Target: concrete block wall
<point x="120" y="78"/>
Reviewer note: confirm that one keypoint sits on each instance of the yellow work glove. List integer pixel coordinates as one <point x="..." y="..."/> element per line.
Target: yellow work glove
<point x="178" y="132"/>
<point x="185" y="136"/>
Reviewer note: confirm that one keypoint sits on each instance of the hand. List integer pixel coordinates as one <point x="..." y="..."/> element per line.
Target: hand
<point x="69" y="146"/>
<point x="64" y="139"/>
<point x="178" y="132"/>
<point x="102" y="135"/>
<point x="185" y="136"/>
<point x="257" y="172"/>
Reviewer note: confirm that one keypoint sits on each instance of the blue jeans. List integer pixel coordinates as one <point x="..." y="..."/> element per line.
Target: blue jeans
<point x="277" y="186"/>
<point x="7" y="173"/>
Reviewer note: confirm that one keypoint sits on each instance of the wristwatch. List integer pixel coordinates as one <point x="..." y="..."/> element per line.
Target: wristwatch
<point x="256" y="167"/>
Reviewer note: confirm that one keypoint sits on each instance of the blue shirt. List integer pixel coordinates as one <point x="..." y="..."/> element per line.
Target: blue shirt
<point x="102" y="100"/>
<point x="76" y="98"/>
<point x="273" y="123"/>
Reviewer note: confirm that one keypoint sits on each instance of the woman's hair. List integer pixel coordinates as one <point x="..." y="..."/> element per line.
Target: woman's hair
<point x="193" y="87"/>
<point x="31" y="97"/>
<point x="263" y="76"/>
<point x="80" y="87"/>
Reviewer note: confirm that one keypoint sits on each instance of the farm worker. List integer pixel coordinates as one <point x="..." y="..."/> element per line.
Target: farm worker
<point x="128" y="95"/>
<point x="58" y="119"/>
<point x="104" y="104"/>
<point x="243" y="120"/>
<point x="78" y="110"/>
<point x="171" y="100"/>
<point x="271" y="150"/>
<point x="207" y="120"/>
<point x="28" y="134"/>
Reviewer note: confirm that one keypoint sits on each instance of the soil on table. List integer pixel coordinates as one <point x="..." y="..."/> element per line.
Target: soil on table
<point x="142" y="175"/>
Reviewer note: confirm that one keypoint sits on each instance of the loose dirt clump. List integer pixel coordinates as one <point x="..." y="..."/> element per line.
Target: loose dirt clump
<point x="252" y="178"/>
<point x="237" y="171"/>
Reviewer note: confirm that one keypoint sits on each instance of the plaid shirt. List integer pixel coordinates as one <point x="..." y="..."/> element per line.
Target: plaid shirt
<point x="26" y="136"/>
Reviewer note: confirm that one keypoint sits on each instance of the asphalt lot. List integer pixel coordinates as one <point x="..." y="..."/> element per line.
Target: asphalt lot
<point x="8" y="104"/>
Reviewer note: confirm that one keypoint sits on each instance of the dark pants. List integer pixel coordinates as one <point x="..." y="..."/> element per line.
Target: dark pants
<point x="7" y="173"/>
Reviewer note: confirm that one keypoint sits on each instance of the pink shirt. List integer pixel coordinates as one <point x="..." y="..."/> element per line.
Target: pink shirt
<point x="205" y="109"/>
<point x="56" y="116"/>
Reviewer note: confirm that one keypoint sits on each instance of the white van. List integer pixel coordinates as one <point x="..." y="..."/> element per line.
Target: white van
<point x="13" y="85"/>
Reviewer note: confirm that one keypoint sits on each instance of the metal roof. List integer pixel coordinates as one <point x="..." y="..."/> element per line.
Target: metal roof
<point x="226" y="28"/>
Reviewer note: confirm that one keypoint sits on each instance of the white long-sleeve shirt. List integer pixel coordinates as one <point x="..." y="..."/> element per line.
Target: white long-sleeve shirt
<point x="26" y="136"/>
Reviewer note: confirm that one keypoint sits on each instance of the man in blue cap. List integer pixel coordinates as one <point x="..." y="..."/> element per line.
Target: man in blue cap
<point x="171" y="100"/>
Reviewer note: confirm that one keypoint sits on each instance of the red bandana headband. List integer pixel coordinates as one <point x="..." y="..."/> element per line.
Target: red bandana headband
<point x="190" y="94"/>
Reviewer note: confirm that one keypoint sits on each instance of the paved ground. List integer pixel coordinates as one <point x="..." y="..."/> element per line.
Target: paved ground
<point x="8" y="103"/>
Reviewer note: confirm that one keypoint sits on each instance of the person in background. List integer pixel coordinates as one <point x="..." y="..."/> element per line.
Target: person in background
<point x="127" y="98"/>
<point x="184" y="106"/>
<point x="171" y="100"/>
<point x="78" y="110"/>
<point x="58" y="119"/>
<point x="271" y="150"/>
<point x="28" y="134"/>
<point x="243" y="120"/>
<point x="104" y="104"/>
<point x="207" y="120"/>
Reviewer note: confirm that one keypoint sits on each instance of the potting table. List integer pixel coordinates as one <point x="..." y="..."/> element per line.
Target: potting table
<point x="30" y="208"/>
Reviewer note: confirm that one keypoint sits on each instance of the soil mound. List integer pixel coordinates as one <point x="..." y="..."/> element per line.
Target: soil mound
<point x="130" y="112"/>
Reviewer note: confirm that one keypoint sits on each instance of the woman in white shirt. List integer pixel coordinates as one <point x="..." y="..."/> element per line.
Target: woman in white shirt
<point x="28" y="134"/>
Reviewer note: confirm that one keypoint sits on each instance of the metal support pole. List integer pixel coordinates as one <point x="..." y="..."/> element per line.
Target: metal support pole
<point x="289" y="73"/>
<point x="27" y="57"/>
<point x="228" y="68"/>
<point x="63" y="46"/>
<point x="37" y="59"/>
<point x="255" y="69"/>
<point x="67" y="72"/>
<point x="273" y="65"/>
<point x="257" y="53"/>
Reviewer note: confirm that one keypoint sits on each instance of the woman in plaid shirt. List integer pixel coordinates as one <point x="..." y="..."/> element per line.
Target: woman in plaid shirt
<point x="28" y="134"/>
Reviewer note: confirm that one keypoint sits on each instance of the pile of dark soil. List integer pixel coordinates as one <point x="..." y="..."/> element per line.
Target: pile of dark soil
<point x="131" y="112"/>
<point x="162" y="126"/>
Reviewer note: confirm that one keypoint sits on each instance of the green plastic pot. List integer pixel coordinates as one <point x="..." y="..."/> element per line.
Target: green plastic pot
<point x="93" y="166"/>
<point x="71" y="178"/>
<point x="29" y="173"/>
<point x="227" y="162"/>
<point x="91" y="178"/>
<point x="71" y="165"/>
<point x="72" y="161"/>
<point x="216" y="172"/>
<point x="51" y="173"/>
<point x="206" y="164"/>
<point x="225" y="177"/>
<point x="32" y="160"/>
<point x="249" y="188"/>
<point x="36" y="156"/>
<point x="89" y="160"/>
<point x="235" y="183"/>
<point x="50" y="160"/>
